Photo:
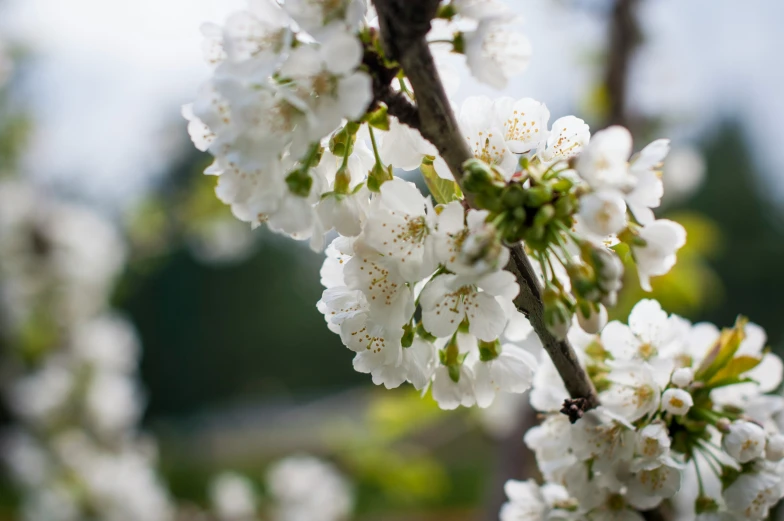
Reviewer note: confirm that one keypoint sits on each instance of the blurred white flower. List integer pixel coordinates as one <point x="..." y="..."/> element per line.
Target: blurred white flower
<point x="232" y="497"/>
<point x="305" y="488"/>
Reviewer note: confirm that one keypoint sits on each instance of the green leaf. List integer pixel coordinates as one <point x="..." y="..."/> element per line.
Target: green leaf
<point x="736" y="367"/>
<point x="379" y="119"/>
<point x="722" y="353"/>
<point x="443" y="190"/>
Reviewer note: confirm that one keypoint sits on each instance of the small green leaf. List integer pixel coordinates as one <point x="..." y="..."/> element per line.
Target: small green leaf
<point x="736" y="367"/>
<point x="443" y="190"/>
<point x="723" y="352"/>
<point x="379" y="119"/>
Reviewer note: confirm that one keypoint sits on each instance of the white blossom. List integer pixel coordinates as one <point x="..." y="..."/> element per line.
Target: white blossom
<point x="524" y="122"/>
<point x="677" y="401"/>
<point x="752" y="495"/>
<point x="446" y="302"/>
<point x="451" y="394"/>
<point x="494" y="53"/>
<point x="774" y="448"/>
<point x="511" y="371"/>
<point x="567" y="138"/>
<point x="232" y="497"/>
<point x="683" y="376"/>
<point x="400" y="226"/>
<point x="603" y="212"/>
<point x="304" y="488"/>
<point x="663" y="238"/>
<point x="744" y="441"/>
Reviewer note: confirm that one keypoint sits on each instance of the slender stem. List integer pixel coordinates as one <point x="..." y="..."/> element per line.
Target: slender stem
<point x="375" y="146"/>
<point x="404" y="88"/>
<point x="441" y="40"/>
<point x="699" y="476"/>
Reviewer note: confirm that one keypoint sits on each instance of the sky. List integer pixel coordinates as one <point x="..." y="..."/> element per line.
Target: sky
<point x="109" y="77"/>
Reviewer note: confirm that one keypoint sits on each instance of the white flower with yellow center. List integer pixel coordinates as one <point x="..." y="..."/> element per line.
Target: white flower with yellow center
<point x="635" y="390"/>
<point x="400" y="226"/>
<point x="604" y="163"/>
<point x="319" y="16"/>
<point x="752" y="494"/>
<point x="262" y="33"/>
<point x="567" y="138"/>
<point x="653" y="445"/>
<point x="649" y="333"/>
<point x="744" y="441"/>
<point x="326" y="78"/>
<point x="485" y="135"/>
<point x="447" y="302"/>
<point x="390" y="299"/>
<point x="677" y="401"/>
<point x="648" y="488"/>
<point x="524" y="122"/>
<point x="494" y="52"/>
<point x="603" y="212"/>
<point x="604" y="437"/>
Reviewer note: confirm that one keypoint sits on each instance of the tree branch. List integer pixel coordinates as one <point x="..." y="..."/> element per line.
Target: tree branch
<point x="625" y="38"/>
<point x="404" y="25"/>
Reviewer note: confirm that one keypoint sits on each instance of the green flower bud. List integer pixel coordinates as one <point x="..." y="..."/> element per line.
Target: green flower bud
<point x="519" y="214"/>
<point x="544" y="215"/>
<point x="565" y="206"/>
<point x="479" y="177"/>
<point x="513" y="196"/>
<point x="378" y="176"/>
<point x="408" y="336"/>
<point x="539" y="195"/>
<point x="489" y="201"/>
<point x="342" y="181"/>
<point x="489" y="350"/>
<point x="299" y="183"/>
<point x="378" y="119"/>
<point x="562" y="185"/>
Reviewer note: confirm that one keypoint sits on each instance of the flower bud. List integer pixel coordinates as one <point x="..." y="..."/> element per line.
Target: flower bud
<point x="610" y="299"/>
<point x="544" y="215"/>
<point x="539" y="195"/>
<point x="594" y="321"/>
<point x="774" y="449"/>
<point x="677" y="401"/>
<point x="557" y="316"/>
<point x="744" y="441"/>
<point x="478" y="177"/>
<point x="513" y="195"/>
<point x="683" y="377"/>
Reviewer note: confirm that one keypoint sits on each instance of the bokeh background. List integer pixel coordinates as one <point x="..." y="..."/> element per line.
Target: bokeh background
<point x="237" y="366"/>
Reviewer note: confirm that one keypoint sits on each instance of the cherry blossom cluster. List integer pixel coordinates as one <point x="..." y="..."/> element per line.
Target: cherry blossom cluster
<point x="685" y="417"/>
<point x="289" y="93"/>
<point x="71" y="364"/>
<point x="299" y="488"/>
<point x="416" y="285"/>
<point x="421" y="296"/>
<point x="572" y="198"/>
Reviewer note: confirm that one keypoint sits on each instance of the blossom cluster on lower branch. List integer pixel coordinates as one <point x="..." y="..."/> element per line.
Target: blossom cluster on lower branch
<point x="74" y="451"/>
<point x="685" y="417"/>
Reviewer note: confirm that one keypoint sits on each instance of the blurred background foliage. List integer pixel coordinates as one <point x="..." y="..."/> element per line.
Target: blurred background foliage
<point x="240" y="369"/>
